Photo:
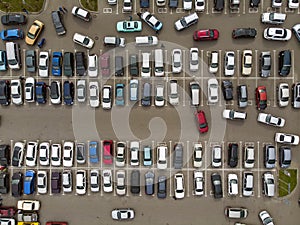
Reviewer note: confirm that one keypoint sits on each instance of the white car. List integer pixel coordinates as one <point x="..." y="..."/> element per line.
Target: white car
<point x="179" y="186"/>
<point x="268" y="184"/>
<point x="44" y="154"/>
<point x="44" y="64"/>
<point x="216" y="156"/>
<point x="214" y="62"/>
<point x="121" y="182"/>
<point x="249" y="159"/>
<point x="107" y="181"/>
<point x="162" y="152"/>
<point x="270" y="120"/>
<point x="293" y="4"/>
<point x="273" y="18"/>
<point x="94" y="94"/>
<point x="81" y="90"/>
<point x="16" y="92"/>
<point x="127" y="5"/>
<point x="68" y="150"/>
<point x="80" y="182"/>
<point x="229" y="64"/>
<point x="287" y="138"/>
<point x="283" y="94"/>
<point x="176" y="61"/>
<point x="42" y="182"/>
<point x="106" y="97"/>
<point x="83" y="40"/>
<point x="93" y="65"/>
<point x="233" y="186"/>
<point x="67" y="181"/>
<point x="30" y="89"/>
<point x="199" y="5"/>
<point x="122" y="214"/>
<point x="195" y="93"/>
<point x="134" y="153"/>
<point x="159" y="95"/>
<point x="198" y="183"/>
<point x="187" y="4"/>
<point x="186" y="21"/>
<point x="28" y="205"/>
<point x="197" y="156"/>
<point x="276" y="3"/>
<point x="232" y="114"/>
<point x="31" y="153"/>
<point x="120" y="154"/>
<point x="213" y="90"/>
<point x="174" y="95"/>
<point x="95" y="181"/>
<point x="194" y="59"/>
<point x="265" y="217"/>
<point x="7" y="221"/>
<point x="160" y="2"/>
<point x="55" y="92"/>
<point x="247" y="62"/>
<point x="146" y="68"/>
<point x="55" y="154"/>
<point x="277" y="34"/>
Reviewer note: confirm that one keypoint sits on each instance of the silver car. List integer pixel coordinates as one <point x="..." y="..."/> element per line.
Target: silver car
<point x="81" y="91"/>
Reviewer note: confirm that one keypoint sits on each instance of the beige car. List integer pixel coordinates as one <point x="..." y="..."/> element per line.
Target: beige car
<point x="247" y="62"/>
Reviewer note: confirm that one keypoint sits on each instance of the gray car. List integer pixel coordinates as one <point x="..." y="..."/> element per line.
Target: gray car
<point x="178" y="158"/>
<point x="269" y="156"/>
<point x="265" y="64"/>
<point x="30" y="61"/>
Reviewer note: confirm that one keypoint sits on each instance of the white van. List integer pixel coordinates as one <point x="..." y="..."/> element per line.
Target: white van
<point x="13" y="55"/>
<point x="273" y="18"/>
<point x="146" y="70"/>
<point x="158" y="63"/>
<point x="146" y="40"/>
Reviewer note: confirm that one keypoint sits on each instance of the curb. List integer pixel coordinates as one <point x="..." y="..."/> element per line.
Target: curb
<point x="30" y="13"/>
<point x="96" y="12"/>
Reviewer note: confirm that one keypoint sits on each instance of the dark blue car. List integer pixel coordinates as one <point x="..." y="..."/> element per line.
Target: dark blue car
<point x="29" y="182"/>
<point x="144" y="3"/>
<point x="68" y="93"/>
<point x="40" y="92"/>
<point x="3" y="61"/>
<point x="56" y="63"/>
<point x="93" y="148"/>
<point x="11" y="34"/>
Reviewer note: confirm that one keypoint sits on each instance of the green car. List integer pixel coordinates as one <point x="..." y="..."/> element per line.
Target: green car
<point x="129" y="26"/>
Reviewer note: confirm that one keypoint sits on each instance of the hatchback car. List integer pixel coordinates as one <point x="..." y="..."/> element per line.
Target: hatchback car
<point x="94" y="152"/>
<point x="147" y="155"/>
<point x="81" y="13"/>
<point x="68" y="153"/>
<point x="194" y="59"/>
<point x="242" y="94"/>
<point x="186" y="21"/>
<point x="4" y="183"/>
<point x="30" y="89"/>
<point x="265" y="64"/>
<point x="236" y="213"/>
<point x="159" y="95"/>
<point x="11" y="34"/>
<point x="120" y="154"/>
<point x="55" y="154"/>
<point x="216" y="182"/>
<point x="80" y="182"/>
<point x="249" y="159"/>
<point x="201" y="121"/>
<point x="206" y="35"/>
<point x="219" y="5"/>
<point x="273" y="17"/>
<point x="261" y="97"/>
<point x="83" y="40"/>
<point x="179" y="186"/>
<point x="244" y="33"/>
<point x="94" y="94"/>
<point x="135" y="182"/>
<point x="277" y="34"/>
<point x="269" y="119"/>
<point x="80" y="153"/>
<point x="247" y="62"/>
<point x="197" y="155"/>
<point x="151" y="20"/>
<point x="34" y="32"/>
<point x="268" y="184"/>
<point x="29" y="182"/>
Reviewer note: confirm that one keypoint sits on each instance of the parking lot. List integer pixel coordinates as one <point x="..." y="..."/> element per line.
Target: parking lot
<point x="168" y="124"/>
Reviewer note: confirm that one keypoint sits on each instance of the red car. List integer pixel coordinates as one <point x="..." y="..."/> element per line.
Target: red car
<point x="261" y="97"/>
<point x="206" y="35"/>
<point x="108" y="152"/>
<point x="201" y="119"/>
<point x="6" y="211"/>
<point x="105" y="64"/>
<point x="56" y="223"/>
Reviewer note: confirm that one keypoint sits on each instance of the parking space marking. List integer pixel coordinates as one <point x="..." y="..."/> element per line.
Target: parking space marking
<point x="127" y="168"/>
<point x="202" y="82"/>
<point x="207" y="6"/>
<point x="258" y="170"/>
<point x="244" y="7"/>
<point x="170" y="163"/>
<point x="293" y="65"/>
<point x="223" y="167"/>
<point x="274" y="93"/>
<point x="205" y="165"/>
<point x="262" y="6"/>
<point x="180" y="10"/>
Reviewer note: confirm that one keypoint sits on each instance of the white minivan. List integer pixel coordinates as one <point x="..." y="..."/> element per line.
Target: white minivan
<point x="158" y="63"/>
<point x="146" y="40"/>
<point x="146" y="69"/>
<point x="13" y="55"/>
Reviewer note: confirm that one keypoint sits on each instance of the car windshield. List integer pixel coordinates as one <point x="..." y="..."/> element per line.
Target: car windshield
<point x="86" y="41"/>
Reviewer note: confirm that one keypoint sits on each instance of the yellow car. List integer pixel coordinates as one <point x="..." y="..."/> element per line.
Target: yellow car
<point x="28" y="223"/>
<point x="34" y="31"/>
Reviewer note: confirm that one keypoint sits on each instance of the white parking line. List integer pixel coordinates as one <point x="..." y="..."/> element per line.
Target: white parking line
<point x="170" y="163"/>
<point x="293" y="65"/>
<point x="244" y="7"/>
<point x="258" y="170"/>
<point x="205" y="165"/>
<point x="207" y="6"/>
<point x="202" y="82"/>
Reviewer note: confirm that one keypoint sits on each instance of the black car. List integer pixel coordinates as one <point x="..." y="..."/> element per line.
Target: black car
<point x="55" y="182"/>
<point x="80" y="153"/>
<point x="13" y="19"/>
<point x="217" y="185"/>
<point x="173" y="3"/>
<point x="4" y="155"/>
<point x="80" y="64"/>
<point x="227" y="89"/>
<point x="133" y="66"/>
<point x="285" y="62"/>
<point x="254" y="3"/>
<point x="233" y="155"/>
<point x="219" y="5"/>
<point x="244" y="33"/>
<point x="30" y="61"/>
<point x="149" y="183"/>
<point x="4" y="92"/>
<point x="55" y="93"/>
<point x="68" y="64"/>
<point x="162" y="187"/>
<point x="17" y="157"/>
<point x="135" y="182"/>
<point x="144" y="3"/>
<point x="57" y="22"/>
<point x="4" y="183"/>
<point x="68" y="92"/>
<point x="17" y="184"/>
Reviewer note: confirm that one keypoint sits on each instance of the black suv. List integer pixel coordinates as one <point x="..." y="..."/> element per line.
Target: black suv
<point x="285" y="62"/>
<point x="219" y="5"/>
<point x="17" y="184"/>
<point x="233" y="155"/>
<point x="57" y="21"/>
<point x="135" y="182"/>
<point x="227" y="90"/>
<point x="13" y="19"/>
<point x="4" y="155"/>
<point x="134" y="68"/>
<point x="55" y="182"/>
<point x="80" y="64"/>
<point x="244" y="33"/>
<point x="68" y="64"/>
<point x="4" y="183"/>
<point x="68" y="92"/>
<point x="4" y="92"/>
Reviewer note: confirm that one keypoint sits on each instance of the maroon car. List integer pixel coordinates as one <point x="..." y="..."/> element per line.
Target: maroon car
<point x="7" y="211"/>
<point x="55" y="182"/>
<point x="105" y="64"/>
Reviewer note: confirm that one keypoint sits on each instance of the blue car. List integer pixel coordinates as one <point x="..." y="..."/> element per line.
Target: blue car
<point x="56" y="63"/>
<point x="144" y="3"/>
<point x="93" y="148"/>
<point x="40" y="92"/>
<point x="3" y="61"/>
<point x="11" y="34"/>
<point x="120" y="94"/>
<point x="29" y="182"/>
<point x="68" y="93"/>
